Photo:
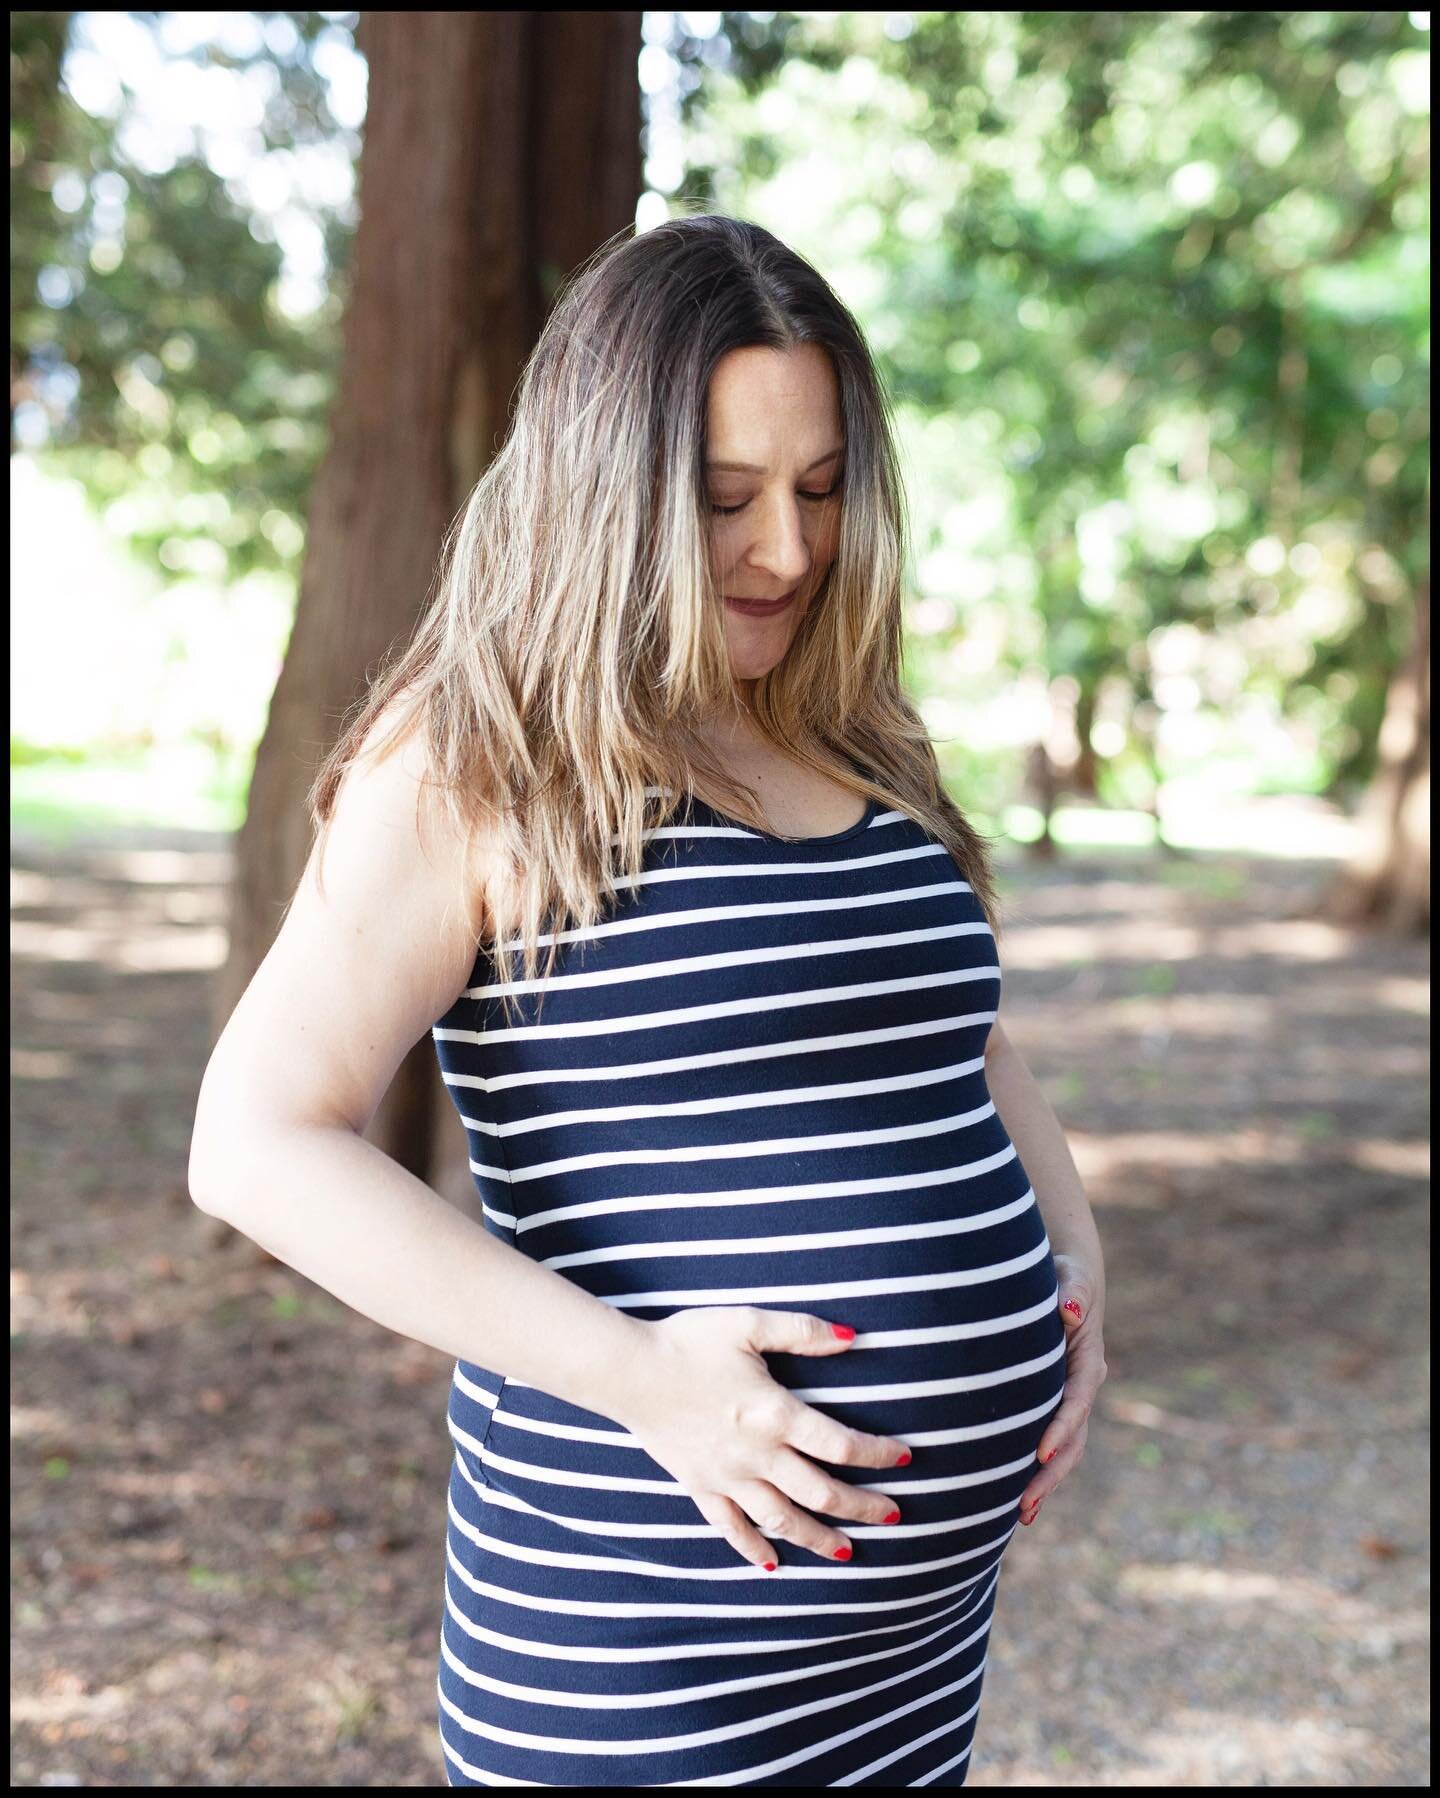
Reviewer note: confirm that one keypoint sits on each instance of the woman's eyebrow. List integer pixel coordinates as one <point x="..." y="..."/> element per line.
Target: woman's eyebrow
<point x="755" y="468"/>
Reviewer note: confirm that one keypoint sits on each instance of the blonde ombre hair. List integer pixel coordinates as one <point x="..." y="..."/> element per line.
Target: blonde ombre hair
<point x="577" y="638"/>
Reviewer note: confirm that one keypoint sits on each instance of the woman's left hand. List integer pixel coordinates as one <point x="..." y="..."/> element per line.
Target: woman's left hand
<point x="1082" y="1310"/>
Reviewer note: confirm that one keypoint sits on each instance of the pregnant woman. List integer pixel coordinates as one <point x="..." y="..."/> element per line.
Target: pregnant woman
<point x="787" y="1304"/>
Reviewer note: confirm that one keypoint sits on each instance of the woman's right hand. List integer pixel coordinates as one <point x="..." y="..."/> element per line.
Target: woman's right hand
<point x="708" y="1409"/>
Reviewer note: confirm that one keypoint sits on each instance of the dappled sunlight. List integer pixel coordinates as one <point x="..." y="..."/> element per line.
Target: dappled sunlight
<point x="1380" y="1155"/>
<point x="178" y="1483"/>
<point x="37" y="1420"/>
<point x="1104" y="1159"/>
<point x="132" y="910"/>
<point x="1397" y="993"/>
<point x="1235" y="1747"/>
<point x="1287" y="939"/>
<point x="163" y="867"/>
<point x="41" y="1064"/>
<point x="1030" y="947"/>
<point x="125" y="949"/>
<point x="1121" y="939"/>
<point x="1186" y="1583"/>
<point x="68" y="1700"/>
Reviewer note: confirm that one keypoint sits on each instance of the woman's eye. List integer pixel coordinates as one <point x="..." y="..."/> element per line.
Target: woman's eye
<point x="814" y="498"/>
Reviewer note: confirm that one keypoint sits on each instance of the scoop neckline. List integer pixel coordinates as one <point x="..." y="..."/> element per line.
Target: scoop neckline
<point x="769" y="836"/>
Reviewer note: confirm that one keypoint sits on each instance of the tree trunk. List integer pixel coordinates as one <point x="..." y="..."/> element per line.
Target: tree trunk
<point x="500" y="148"/>
<point x="1387" y="882"/>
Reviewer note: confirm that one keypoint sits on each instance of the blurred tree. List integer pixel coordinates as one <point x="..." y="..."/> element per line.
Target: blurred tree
<point x="1151" y="291"/>
<point x="501" y="148"/>
<point x="1163" y="280"/>
<point x="1387" y="882"/>
<point x="144" y="322"/>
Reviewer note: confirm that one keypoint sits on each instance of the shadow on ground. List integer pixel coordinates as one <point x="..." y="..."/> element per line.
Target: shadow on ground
<point x="228" y="1491"/>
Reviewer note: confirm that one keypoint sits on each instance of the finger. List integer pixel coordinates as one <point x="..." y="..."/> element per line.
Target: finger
<point x="794" y="1332"/>
<point x="1085" y="1374"/>
<point x="737" y="1529"/>
<point x="1062" y="1429"/>
<point x="776" y="1517"/>
<point x="826" y="1439"/>
<point x="1062" y="1464"/>
<point x="1075" y="1298"/>
<point x="816" y="1490"/>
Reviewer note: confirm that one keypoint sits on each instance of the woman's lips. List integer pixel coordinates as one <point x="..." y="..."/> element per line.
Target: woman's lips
<point x="762" y="608"/>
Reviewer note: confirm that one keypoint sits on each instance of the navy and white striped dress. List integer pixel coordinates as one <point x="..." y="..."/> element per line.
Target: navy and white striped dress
<point x="760" y="1081"/>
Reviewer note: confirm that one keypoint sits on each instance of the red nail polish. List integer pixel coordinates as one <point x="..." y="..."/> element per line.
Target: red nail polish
<point x="904" y="1460"/>
<point x="844" y="1332"/>
<point x="843" y="1554"/>
<point x="1050" y="1457"/>
<point x="769" y="1566"/>
<point x="894" y="1517"/>
<point x="1073" y="1309"/>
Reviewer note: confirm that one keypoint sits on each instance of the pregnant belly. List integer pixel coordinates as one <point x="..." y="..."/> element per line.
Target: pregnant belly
<point x="959" y="1353"/>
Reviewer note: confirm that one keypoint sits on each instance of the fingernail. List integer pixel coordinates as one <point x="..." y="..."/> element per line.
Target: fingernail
<point x="769" y="1566"/>
<point x="894" y="1517"/>
<point x="1073" y="1309"/>
<point x="844" y="1332"/>
<point x="843" y="1554"/>
<point x="904" y="1460"/>
<point x="1050" y="1457"/>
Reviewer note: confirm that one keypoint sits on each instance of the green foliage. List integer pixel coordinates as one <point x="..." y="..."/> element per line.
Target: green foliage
<point x="1151" y="291"/>
<point x="146" y="327"/>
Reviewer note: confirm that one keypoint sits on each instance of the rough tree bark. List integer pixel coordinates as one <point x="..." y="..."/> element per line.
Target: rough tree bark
<point x="501" y="148"/>
<point x="1386" y="884"/>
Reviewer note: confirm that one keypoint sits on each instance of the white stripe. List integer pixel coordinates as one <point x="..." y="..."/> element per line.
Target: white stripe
<point x="664" y="1532"/>
<point x="867" y="1339"/>
<point x="760" y="1680"/>
<point x="874" y="1532"/>
<point x="796" y="1243"/>
<point x="757" y="1775"/>
<point x="775" y="1145"/>
<point x="812" y="1292"/>
<point x="714" y="914"/>
<point x="749" y="956"/>
<point x="471" y="1771"/>
<point x="948" y="1727"/>
<point x="489" y="1399"/>
<point x="723" y="1008"/>
<point x="955" y="1759"/>
<point x="484" y="1778"/>
<point x="580" y="1607"/>
<point x="770" y="1195"/>
<point x="760" y="870"/>
<point x="754" y="836"/>
<point x="794" y="1095"/>
<point x="997" y="1426"/>
<point x="910" y="1389"/>
<point x="852" y="1039"/>
<point x="565" y="1651"/>
<point x="747" y="1726"/>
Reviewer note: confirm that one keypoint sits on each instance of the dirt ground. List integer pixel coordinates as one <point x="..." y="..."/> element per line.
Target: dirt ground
<point x="228" y="1490"/>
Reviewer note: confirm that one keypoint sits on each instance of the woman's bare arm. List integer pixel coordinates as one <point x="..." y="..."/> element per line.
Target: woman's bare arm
<point x="353" y="980"/>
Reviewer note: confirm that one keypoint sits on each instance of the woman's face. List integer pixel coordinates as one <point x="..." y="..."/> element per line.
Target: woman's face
<point x="779" y="412"/>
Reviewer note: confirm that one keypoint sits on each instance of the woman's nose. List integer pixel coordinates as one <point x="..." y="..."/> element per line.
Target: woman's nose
<point x="779" y="544"/>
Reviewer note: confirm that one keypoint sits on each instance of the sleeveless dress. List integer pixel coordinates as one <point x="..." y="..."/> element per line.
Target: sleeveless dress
<point x="760" y="1081"/>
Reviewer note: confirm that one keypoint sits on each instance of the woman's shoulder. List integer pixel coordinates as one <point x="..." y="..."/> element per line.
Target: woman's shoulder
<point x="394" y="808"/>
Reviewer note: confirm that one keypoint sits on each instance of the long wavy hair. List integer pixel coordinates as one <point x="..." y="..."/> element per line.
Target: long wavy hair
<point x="576" y="636"/>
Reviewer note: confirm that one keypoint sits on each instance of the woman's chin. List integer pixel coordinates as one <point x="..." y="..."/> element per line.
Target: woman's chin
<point x="758" y="645"/>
